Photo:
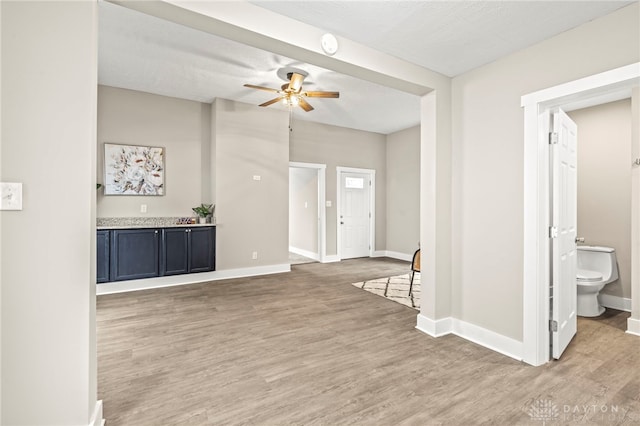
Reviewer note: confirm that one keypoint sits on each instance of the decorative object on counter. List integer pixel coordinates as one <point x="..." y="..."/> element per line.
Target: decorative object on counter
<point x="204" y="211"/>
<point x="133" y="170"/>
<point x="186" y="221"/>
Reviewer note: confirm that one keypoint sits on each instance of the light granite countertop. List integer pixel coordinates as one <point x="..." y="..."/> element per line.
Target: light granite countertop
<point x="145" y="222"/>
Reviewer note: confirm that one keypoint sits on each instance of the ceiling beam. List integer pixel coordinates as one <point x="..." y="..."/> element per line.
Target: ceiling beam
<point x="254" y="26"/>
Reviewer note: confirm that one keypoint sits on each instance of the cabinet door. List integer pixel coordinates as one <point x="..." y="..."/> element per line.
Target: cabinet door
<point x="102" y="250"/>
<point x="175" y="253"/>
<point x="202" y="249"/>
<point x="134" y="254"/>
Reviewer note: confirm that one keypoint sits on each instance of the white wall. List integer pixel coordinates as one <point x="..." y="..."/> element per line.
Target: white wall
<point x="303" y="209"/>
<point x="488" y="130"/>
<point x="403" y="191"/>
<point x="49" y="80"/>
<point x="604" y="183"/>
<point x="252" y="215"/>
<point x="339" y="146"/>
<point x="181" y="127"/>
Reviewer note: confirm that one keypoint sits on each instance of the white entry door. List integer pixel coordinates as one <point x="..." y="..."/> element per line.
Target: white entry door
<point x="563" y="291"/>
<point x="355" y="214"/>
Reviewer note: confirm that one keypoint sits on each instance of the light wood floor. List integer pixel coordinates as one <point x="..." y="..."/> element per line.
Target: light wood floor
<point x="308" y="348"/>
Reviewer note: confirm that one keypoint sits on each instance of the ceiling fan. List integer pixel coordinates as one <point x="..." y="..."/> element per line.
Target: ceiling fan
<point x="291" y="93"/>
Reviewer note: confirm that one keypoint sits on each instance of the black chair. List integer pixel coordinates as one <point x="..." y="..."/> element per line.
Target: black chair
<point x="415" y="267"/>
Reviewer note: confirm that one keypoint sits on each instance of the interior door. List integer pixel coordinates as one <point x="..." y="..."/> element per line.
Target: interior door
<point x="355" y="215"/>
<point x="563" y="292"/>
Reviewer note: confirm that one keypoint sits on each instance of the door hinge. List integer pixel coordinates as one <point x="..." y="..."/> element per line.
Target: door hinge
<point x="553" y="325"/>
<point x="553" y="138"/>
<point x="553" y="232"/>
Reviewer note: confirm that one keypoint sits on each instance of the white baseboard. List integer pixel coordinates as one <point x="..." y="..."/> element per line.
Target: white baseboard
<point x="173" y="280"/>
<point x="615" y="302"/>
<point x="305" y="253"/>
<point x="633" y="326"/>
<point x="96" y="417"/>
<point x="330" y="259"/>
<point x="434" y="328"/>
<point x="393" y="255"/>
<point x="481" y="336"/>
<point x="489" y="339"/>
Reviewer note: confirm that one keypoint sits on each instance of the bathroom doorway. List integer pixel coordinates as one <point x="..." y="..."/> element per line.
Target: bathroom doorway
<point x="307" y="219"/>
<point x="609" y="86"/>
<point x="591" y="184"/>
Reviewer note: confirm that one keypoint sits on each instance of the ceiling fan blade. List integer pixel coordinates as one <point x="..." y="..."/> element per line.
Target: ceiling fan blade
<point x="266" y="89"/>
<point x="296" y="82"/>
<point x="316" y="94"/>
<point x="304" y="105"/>
<point x="272" y="101"/>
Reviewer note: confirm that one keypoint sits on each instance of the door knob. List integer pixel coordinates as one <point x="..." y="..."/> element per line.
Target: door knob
<point x="579" y="239"/>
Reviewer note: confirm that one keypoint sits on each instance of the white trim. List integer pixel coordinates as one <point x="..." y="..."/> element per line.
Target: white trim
<point x="473" y="333"/>
<point x="393" y="255"/>
<point x="633" y="326"/>
<point x="322" y="211"/>
<point x="96" y="417"/>
<point x="305" y="253"/>
<point x="535" y="345"/>
<point x="307" y="165"/>
<point x="174" y="280"/>
<point x="330" y="259"/>
<point x="489" y="339"/>
<point x="615" y="302"/>
<point x="372" y="207"/>
<point x="434" y="328"/>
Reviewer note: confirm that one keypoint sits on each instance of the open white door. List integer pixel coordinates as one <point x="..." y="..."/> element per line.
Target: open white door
<point x="355" y="214"/>
<point x="563" y="293"/>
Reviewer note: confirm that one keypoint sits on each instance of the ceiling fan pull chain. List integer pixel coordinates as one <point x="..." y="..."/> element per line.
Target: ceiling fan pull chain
<point x="290" y="118"/>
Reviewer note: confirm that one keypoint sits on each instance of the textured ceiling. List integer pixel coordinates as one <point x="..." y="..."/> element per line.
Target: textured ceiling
<point x="145" y="53"/>
<point x="450" y="37"/>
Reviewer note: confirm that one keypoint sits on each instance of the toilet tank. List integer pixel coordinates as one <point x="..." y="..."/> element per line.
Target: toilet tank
<point x="599" y="259"/>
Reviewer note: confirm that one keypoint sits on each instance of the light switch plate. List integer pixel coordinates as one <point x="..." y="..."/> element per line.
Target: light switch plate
<point x="10" y="196"/>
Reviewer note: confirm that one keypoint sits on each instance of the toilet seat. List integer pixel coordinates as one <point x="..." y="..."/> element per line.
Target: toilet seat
<point x="585" y="275"/>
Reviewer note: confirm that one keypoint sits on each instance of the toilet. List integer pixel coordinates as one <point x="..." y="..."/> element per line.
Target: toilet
<point x="597" y="267"/>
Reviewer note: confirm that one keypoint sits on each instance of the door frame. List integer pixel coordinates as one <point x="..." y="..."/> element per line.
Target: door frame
<point x="597" y="89"/>
<point x="372" y="207"/>
<point x="322" y="213"/>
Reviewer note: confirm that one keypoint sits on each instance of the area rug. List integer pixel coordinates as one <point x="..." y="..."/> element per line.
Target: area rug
<point x="395" y="289"/>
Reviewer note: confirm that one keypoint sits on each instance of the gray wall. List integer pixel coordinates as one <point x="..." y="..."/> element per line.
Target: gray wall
<point x="190" y="132"/>
<point x="487" y="180"/>
<point x="303" y="209"/>
<point x="339" y="146"/>
<point x="49" y="79"/>
<point x="403" y="190"/>
<point x="181" y="127"/>
<point x="253" y="215"/>
<point x="604" y="183"/>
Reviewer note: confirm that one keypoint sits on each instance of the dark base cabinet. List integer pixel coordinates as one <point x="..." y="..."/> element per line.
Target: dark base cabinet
<point x="202" y="253"/>
<point x="128" y="254"/>
<point x="175" y="251"/>
<point x="102" y="249"/>
<point x="188" y="250"/>
<point x="134" y="254"/>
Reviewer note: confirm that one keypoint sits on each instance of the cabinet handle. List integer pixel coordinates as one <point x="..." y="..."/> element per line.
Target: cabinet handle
<point x="156" y="231"/>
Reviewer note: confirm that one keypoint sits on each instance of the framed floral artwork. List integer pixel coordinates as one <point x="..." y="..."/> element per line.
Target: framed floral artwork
<point x="133" y="170"/>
